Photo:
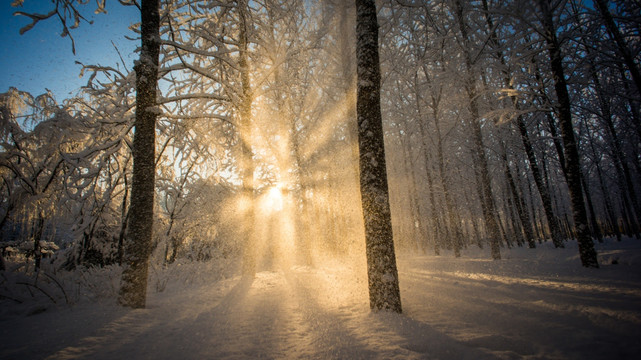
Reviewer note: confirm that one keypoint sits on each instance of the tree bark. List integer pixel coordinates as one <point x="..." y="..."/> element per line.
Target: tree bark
<point x="133" y="286"/>
<point x="384" y="290"/>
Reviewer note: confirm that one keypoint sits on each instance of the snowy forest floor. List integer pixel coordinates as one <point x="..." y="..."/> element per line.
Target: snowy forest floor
<point x="533" y="304"/>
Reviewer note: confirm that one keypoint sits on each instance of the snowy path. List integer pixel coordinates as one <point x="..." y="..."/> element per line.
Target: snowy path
<point x="454" y="309"/>
<point x="299" y="314"/>
<point x="513" y="318"/>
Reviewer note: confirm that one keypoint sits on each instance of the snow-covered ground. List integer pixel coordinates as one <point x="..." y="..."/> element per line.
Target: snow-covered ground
<point x="533" y="304"/>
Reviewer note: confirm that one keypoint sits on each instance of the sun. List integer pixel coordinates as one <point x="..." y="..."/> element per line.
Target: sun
<point x="272" y="200"/>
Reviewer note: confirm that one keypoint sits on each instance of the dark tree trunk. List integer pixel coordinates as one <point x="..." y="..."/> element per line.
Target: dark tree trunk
<point x="171" y="257"/>
<point x="561" y="154"/>
<point x="133" y="287"/>
<point x="384" y="291"/>
<point x="586" y="246"/>
<point x="546" y="200"/>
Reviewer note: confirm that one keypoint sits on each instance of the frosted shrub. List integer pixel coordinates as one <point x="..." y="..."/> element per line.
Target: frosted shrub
<point x="186" y="272"/>
<point x="95" y="283"/>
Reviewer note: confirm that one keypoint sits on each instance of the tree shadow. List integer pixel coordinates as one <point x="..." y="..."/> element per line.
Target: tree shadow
<point x="424" y="341"/>
<point x="362" y="334"/>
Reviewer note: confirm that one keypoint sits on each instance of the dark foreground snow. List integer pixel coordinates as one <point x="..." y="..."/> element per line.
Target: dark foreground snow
<point x="533" y="304"/>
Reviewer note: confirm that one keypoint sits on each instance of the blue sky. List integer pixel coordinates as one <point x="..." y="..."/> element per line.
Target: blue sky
<point x="42" y="59"/>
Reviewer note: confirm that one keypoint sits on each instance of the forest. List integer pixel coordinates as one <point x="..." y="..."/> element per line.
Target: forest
<point x="233" y="141"/>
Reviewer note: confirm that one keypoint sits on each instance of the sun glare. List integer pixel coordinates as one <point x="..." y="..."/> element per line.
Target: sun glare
<point x="273" y="200"/>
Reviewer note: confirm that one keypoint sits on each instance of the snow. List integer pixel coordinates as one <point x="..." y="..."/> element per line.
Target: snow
<point x="534" y="304"/>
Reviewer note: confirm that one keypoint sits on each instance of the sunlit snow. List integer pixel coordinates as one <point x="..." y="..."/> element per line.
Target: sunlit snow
<point x="533" y="304"/>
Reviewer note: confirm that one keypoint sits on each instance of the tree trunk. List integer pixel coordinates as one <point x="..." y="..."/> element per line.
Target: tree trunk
<point x="133" y="286"/>
<point x="586" y="246"/>
<point x="384" y="290"/>
<point x="546" y="200"/>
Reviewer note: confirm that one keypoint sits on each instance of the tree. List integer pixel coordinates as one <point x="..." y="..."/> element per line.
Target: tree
<point x="384" y="290"/>
<point x="480" y="159"/>
<point x="140" y="223"/>
<point x="572" y="159"/>
<point x="32" y="164"/>
<point x="133" y="287"/>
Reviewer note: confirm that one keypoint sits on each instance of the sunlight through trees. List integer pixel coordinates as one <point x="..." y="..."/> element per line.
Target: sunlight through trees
<point x="266" y="135"/>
